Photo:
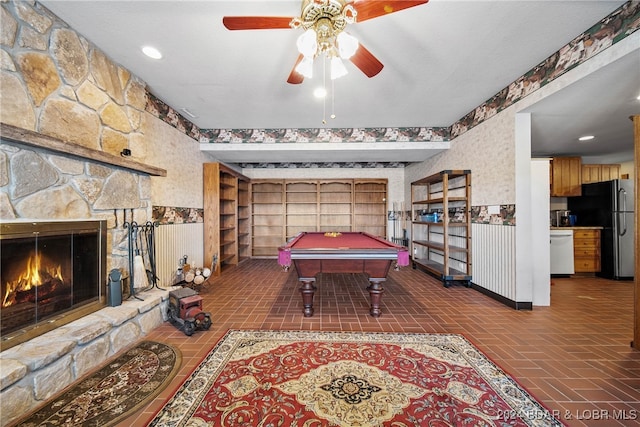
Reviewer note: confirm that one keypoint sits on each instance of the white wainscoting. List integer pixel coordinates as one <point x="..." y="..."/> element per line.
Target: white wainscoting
<point x="494" y="258"/>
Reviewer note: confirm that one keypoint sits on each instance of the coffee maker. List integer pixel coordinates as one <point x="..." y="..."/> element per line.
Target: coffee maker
<point x="561" y="218"/>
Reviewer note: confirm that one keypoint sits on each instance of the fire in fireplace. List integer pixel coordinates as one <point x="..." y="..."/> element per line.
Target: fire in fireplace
<point x="51" y="273"/>
<point x="39" y="281"/>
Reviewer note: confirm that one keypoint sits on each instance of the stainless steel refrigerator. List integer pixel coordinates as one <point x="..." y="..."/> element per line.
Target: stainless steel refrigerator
<point x="610" y="205"/>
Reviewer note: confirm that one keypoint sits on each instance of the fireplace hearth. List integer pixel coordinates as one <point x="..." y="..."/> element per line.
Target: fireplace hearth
<point x="51" y="273"/>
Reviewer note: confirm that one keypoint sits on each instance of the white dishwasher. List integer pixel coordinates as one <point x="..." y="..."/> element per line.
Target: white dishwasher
<point x="561" y="252"/>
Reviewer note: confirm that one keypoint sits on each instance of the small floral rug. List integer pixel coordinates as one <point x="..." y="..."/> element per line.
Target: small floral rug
<point x="312" y="379"/>
<point x="115" y="391"/>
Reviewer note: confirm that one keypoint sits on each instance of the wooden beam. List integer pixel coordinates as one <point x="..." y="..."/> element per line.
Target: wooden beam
<point x="38" y="140"/>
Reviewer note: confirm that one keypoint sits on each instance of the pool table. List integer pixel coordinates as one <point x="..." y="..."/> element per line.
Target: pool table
<point x="347" y="252"/>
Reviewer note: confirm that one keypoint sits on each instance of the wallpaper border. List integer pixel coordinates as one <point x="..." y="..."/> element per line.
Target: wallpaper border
<point x="621" y="23"/>
<point x="167" y="215"/>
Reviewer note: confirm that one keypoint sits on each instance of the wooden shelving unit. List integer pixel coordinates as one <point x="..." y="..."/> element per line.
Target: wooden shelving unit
<point x="335" y="206"/>
<point x="370" y="206"/>
<point x="244" y="220"/>
<point x="302" y="207"/>
<point x="226" y="217"/>
<point x="283" y="208"/>
<point x="441" y="226"/>
<point x="268" y="217"/>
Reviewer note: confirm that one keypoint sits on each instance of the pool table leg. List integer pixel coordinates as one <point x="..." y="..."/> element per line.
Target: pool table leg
<point x="375" y="295"/>
<point x="307" y="290"/>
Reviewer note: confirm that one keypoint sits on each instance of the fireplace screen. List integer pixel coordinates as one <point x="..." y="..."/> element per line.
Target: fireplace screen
<point x="51" y="273"/>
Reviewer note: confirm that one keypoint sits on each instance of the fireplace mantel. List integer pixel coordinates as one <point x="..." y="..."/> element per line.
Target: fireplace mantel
<point x="35" y="139"/>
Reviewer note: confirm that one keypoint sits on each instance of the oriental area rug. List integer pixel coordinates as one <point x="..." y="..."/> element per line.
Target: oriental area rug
<point x="313" y="379"/>
<point x="120" y="388"/>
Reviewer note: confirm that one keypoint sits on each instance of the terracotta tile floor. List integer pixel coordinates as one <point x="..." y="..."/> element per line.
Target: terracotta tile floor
<point x="574" y="356"/>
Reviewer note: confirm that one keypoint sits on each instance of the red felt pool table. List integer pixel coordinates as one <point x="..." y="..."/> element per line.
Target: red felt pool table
<point x="349" y="252"/>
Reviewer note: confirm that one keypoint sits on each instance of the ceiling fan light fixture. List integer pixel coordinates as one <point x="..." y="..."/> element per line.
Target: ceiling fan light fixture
<point x="328" y="19"/>
<point x="305" y="67"/>
<point x="320" y="92"/>
<point x="308" y="43"/>
<point x="349" y="13"/>
<point x="337" y="68"/>
<point x="151" y="52"/>
<point x="347" y="45"/>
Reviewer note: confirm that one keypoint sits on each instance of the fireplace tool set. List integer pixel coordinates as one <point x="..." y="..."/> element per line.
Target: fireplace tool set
<point x="142" y="257"/>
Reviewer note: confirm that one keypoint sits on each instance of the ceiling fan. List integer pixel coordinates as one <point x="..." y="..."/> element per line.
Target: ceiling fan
<point x="324" y="22"/>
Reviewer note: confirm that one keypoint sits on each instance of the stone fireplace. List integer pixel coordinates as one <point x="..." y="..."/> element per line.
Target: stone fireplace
<point x="51" y="274"/>
<point x="60" y="161"/>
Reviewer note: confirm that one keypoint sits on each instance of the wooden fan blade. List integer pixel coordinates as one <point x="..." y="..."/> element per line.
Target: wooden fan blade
<point x="368" y="9"/>
<point x="367" y="63"/>
<point x="255" y="22"/>
<point x="295" y="78"/>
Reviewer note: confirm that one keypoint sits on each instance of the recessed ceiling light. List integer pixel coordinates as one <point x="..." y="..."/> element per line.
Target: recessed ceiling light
<point x="586" y="138"/>
<point x="151" y="52"/>
<point x="320" y="92"/>
<point x="188" y="113"/>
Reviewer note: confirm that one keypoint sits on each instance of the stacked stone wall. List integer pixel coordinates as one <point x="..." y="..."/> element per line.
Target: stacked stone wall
<point x="57" y="83"/>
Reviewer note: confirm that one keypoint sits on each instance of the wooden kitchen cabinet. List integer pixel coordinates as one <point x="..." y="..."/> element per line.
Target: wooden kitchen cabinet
<point x="610" y="172"/>
<point x="566" y="176"/>
<point x="599" y="172"/>
<point x="591" y="173"/>
<point x="586" y="250"/>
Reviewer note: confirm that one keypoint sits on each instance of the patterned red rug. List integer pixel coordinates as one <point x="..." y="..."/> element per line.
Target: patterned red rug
<point x="310" y="379"/>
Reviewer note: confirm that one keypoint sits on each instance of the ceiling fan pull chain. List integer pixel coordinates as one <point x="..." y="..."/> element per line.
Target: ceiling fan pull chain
<point x="333" y="98"/>
<point x="324" y="84"/>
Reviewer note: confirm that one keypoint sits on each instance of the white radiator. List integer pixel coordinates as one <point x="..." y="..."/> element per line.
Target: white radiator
<point x="494" y="258"/>
<point x="173" y="241"/>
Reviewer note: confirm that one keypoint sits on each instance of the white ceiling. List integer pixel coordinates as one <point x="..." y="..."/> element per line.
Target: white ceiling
<point x="600" y="105"/>
<point x="441" y="60"/>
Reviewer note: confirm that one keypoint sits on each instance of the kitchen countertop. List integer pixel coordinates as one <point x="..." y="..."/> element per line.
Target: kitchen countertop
<point x="576" y="227"/>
